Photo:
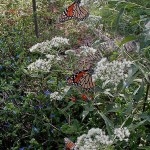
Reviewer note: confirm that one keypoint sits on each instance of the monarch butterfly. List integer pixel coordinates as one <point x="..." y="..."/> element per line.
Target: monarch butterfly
<point x="74" y="11"/>
<point x="69" y="145"/>
<point x="83" y="79"/>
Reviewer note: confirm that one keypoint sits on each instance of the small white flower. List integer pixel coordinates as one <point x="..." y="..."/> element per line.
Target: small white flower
<point x="55" y="96"/>
<point x="40" y="65"/>
<point x="50" y="57"/>
<point x="59" y="41"/>
<point x="46" y="47"/>
<point x="59" y="58"/>
<point x="43" y="47"/>
<point x="93" y="139"/>
<point x="113" y="72"/>
<point x="96" y="139"/>
<point x="122" y="133"/>
<point x="86" y="51"/>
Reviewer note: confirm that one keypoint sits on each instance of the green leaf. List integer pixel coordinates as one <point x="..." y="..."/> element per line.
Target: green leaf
<point x="144" y="148"/>
<point x="118" y="18"/>
<point x="133" y="127"/>
<point x="133" y="73"/>
<point x="129" y="108"/>
<point x="127" y="39"/>
<point x="108" y="123"/>
<point x="128" y="122"/>
<point x="139" y="92"/>
<point x="145" y="117"/>
<point x="71" y="129"/>
<point x="33" y="141"/>
<point x="69" y="105"/>
<point x="88" y="108"/>
<point x="84" y="114"/>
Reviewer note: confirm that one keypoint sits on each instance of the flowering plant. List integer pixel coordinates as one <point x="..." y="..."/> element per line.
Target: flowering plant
<point x="111" y="72"/>
<point x="106" y="56"/>
<point x="96" y="139"/>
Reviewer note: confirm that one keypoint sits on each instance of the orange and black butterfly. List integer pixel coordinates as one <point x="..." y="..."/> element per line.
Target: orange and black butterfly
<point x="82" y="78"/>
<point x="74" y="11"/>
<point x="69" y="145"/>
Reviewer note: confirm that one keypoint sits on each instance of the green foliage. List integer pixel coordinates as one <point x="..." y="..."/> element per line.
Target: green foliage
<point x="30" y="119"/>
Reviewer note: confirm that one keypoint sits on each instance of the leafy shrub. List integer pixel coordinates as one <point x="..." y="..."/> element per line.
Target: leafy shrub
<point x="39" y="109"/>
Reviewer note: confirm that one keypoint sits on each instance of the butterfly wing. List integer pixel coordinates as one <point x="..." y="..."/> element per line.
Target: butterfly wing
<point x="69" y="144"/>
<point x="83" y="79"/>
<point x="74" y="11"/>
<point x="68" y="13"/>
<point x="74" y="79"/>
<point x="80" y="13"/>
<point x="86" y="82"/>
<point x="79" y="75"/>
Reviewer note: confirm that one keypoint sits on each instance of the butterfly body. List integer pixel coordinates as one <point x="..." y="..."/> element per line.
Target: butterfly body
<point x="82" y="78"/>
<point x="74" y="11"/>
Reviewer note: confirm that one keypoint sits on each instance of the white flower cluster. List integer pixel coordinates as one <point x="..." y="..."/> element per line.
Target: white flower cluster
<point x="55" y="96"/>
<point x="87" y="51"/>
<point x="111" y="72"/>
<point x="93" y="20"/>
<point x="41" y="47"/>
<point x="59" y="95"/>
<point x="122" y="134"/>
<point x="50" y="57"/>
<point x="59" y="41"/>
<point x="45" y="47"/>
<point x="40" y="65"/>
<point x="95" y="139"/>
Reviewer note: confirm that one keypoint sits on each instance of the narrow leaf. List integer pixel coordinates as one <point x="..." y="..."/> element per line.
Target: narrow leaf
<point x="127" y="39"/>
<point x="108" y="123"/>
<point x="138" y="94"/>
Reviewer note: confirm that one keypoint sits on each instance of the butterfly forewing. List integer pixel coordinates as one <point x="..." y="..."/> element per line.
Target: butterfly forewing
<point x="74" y="11"/>
<point x="67" y="14"/>
<point x="79" y="75"/>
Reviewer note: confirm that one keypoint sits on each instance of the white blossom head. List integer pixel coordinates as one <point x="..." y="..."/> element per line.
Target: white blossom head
<point x="50" y="57"/>
<point x="47" y="46"/>
<point x="94" y="139"/>
<point x="87" y="51"/>
<point x="121" y="134"/>
<point x="42" y="47"/>
<point x="97" y="139"/>
<point x="55" y="96"/>
<point x="40" y="65"/>
<point x="111" y="72"/>
<point x="59" y="41"/>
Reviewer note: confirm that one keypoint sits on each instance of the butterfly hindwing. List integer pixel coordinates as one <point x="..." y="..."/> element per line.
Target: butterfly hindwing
<point x="82" y="78"/>
<point x="69" y="145"/>
<point x="80" y="13"/>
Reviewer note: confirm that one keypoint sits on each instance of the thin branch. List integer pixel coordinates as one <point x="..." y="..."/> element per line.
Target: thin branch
<point x="146" y="96"/>
<point x="35" y="18"/>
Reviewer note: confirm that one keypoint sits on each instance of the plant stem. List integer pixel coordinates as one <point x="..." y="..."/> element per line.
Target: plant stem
<point x="146" y="96"/>
<point x="35" y="18"/>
